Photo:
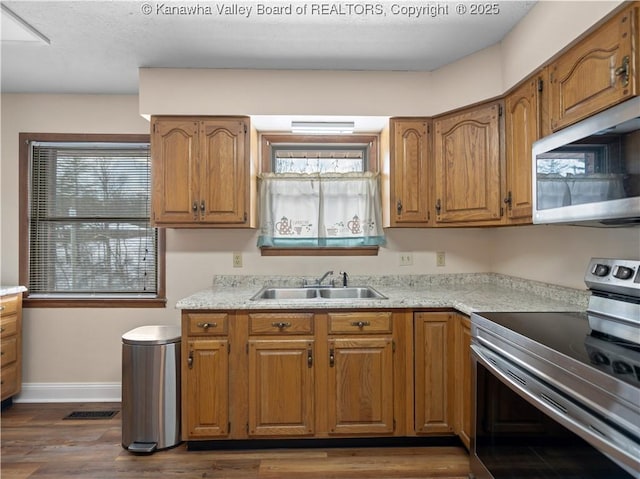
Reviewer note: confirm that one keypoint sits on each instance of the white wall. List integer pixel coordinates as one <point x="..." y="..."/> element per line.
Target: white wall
<point x="83" y="345"/>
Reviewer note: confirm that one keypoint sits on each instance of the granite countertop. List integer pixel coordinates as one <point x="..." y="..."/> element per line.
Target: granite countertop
<point x="466" y="293"/>
<point x="10" y="289"/>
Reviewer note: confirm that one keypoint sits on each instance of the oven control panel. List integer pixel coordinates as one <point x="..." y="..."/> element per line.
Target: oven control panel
<point x="614" y="275"/>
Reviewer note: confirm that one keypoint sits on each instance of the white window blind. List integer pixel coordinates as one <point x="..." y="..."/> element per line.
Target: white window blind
<point x="89" y="221"/>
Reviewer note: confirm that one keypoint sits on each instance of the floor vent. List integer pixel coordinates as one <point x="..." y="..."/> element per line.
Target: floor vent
<point x="91" y="415"/>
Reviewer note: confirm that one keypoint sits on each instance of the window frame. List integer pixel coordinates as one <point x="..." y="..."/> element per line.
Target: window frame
<point x="372" y="164"/>
<point x="24" y="249"/>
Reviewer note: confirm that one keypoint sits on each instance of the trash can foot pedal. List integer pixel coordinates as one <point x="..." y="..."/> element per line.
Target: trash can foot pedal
<point x="145" y="447"/>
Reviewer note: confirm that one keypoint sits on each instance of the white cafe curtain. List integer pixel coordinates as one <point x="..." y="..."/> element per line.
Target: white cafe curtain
<point x="320" y="210"/>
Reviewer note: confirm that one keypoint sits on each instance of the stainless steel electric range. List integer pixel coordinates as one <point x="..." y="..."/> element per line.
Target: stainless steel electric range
<point x="557" y="395"/>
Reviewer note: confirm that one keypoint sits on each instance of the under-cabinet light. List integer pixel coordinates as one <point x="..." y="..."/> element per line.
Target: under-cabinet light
<point x="323" y="127"/>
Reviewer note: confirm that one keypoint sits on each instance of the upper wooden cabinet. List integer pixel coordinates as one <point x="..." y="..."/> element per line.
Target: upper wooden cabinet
<point x="598" y="72"/>
<point x="522" y="127"/>
<point x="467" y="160"/>
<point x="200" y="169"/>
<point x="409" y="176"/>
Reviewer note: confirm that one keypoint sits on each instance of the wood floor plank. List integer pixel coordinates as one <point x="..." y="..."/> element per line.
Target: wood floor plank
<point x="36" y="443"/>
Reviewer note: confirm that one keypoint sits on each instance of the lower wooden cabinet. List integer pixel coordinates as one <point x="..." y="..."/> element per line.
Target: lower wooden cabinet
<point x="321" y="374"/>
<point x="434" y="348"/>
<point x="462" y="371"/>
<point x="10" y="345"/>
<point x="360" y="392"/>
<point x="206" y="389"/>
<point x="281" y="387"/>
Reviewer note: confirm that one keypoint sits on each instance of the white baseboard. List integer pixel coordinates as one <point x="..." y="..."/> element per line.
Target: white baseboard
<point x="69" y="392"/>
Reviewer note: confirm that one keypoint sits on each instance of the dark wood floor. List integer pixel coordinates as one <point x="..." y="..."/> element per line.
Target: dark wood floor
<point x="37" y="443"/>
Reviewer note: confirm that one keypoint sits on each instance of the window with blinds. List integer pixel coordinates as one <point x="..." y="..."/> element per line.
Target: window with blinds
<point x="89" y="221"/>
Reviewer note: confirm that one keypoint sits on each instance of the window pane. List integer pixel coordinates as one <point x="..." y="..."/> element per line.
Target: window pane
<point x="319" y="159"/>
<point x="90" y="231"/>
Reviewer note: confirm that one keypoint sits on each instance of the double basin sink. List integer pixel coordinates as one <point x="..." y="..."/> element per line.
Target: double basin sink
<point x="317" y="293"/>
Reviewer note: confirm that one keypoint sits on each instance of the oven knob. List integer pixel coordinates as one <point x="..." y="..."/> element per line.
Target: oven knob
<point x="599" y="359"/>
<point x="600" y="270"/>
<point x="622" y="272"/>
<point x="621" y="368"/>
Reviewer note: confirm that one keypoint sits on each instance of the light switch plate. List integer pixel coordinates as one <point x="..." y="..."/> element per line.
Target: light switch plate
<point x="406" y="259"/>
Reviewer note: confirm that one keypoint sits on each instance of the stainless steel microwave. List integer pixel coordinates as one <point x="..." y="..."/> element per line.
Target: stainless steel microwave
<point x="589" y="173"/>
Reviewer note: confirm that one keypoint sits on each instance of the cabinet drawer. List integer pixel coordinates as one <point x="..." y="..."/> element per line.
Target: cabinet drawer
<point x="9" y="381"/>
<point x="8" y="305"/>
<point x="8" y="325"/>
<point x="360" y="322"/>
<point x="210" y="324"/>
<point x="8" y="351"/>
<point x="281" y="323"/>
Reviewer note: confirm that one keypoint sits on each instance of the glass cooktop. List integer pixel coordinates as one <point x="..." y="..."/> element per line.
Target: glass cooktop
<point x="569" y="333"/>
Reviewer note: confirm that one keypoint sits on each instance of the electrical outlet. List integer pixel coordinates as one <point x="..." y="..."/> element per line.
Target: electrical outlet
<point x="406" y="259"/>
<point x="237" y="260"/>
<point x="440" y="258"/>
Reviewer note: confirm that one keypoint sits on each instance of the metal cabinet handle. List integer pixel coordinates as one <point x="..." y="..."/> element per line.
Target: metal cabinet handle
<point x="361" y="324"/>
<point x="438" y="206"/>
<point x="202" y="206"/>
<point x="309" y="358"/>
<point x="332" y="358"/>
<point x="281" y="325"/>
<point x="194" y="207"/>
<point x="509" y="200"/>
<point x="623" y="71"/>
<point x="190" y="360"/>
<point x="399" y="206"/>
<point x="2" y="330"/>
<point x="207" y="325"/>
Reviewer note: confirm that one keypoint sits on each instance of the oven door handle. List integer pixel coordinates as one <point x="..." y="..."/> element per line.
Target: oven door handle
<point x="622" y="449"/>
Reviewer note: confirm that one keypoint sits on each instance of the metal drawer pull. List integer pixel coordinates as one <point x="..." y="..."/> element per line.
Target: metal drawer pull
<point x="281" y="325"/>
<point x="207" y="325"/>
<point x="2" y="330"/>
<point x="2" y="308"/>
<point x="361" y="324"/>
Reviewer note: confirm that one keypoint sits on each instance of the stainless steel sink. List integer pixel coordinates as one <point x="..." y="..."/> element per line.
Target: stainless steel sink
<point x="286" y="293"/>
<point x="317" y="293"/>
<point x="365" y="292"/>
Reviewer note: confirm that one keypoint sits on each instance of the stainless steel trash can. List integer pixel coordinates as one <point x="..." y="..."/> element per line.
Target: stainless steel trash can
<point x="151" y="388"/>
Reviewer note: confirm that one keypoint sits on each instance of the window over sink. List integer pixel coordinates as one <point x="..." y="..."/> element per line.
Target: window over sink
<point x="320" y="195"/>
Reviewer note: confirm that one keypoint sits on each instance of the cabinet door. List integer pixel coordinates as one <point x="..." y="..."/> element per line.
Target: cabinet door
<point x="433" y="369"/>
<point x="223" y="171"/>
<point x="174" y="153"/>
<point x="281" y="387"/>
<point x="467" y="163"/>
<point x="597" y="73"/>
<point x="360" y="386"/>
<point x="522" y="124"/>
<point x="409" y="172"/>
<point x="463" y="379"/>
<point x="206" y="396"/>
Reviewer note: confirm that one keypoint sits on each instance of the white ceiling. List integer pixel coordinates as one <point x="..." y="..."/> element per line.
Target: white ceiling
<point x="98" y="46"/>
